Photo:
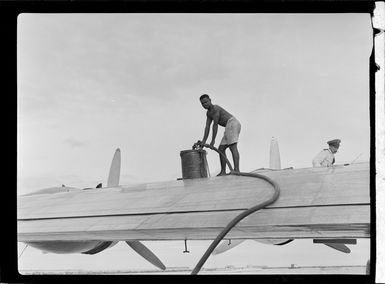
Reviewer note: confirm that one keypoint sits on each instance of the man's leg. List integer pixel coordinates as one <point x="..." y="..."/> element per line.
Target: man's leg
<point x="234" y="151"/>
<point x="222" y="149"/>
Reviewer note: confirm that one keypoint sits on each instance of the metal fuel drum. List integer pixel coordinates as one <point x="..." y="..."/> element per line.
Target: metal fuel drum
<point x="194" y="164"/>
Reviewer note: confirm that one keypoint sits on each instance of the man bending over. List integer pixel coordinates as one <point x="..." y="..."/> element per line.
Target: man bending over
<point x="221" y="117"/>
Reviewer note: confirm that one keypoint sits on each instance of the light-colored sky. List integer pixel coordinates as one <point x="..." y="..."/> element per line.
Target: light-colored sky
<point x="90" y="83"/>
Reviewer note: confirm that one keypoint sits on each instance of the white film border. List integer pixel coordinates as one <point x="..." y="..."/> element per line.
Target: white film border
<point x="378" y="21"/>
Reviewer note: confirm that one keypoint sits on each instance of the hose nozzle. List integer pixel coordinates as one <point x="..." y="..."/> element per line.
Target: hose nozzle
<point x="198" y="145"/>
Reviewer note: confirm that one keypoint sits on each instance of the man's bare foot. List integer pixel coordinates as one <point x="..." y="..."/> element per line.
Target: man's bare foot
<point x="221" y="174"/>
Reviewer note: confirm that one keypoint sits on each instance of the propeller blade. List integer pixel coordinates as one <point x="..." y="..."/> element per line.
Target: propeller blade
<point x="114" y="175"/>
<point x="275" y="160"/>
<point x="339" y="247"/>
<point x="143" y="251"/>
<point x="226" y="246"/>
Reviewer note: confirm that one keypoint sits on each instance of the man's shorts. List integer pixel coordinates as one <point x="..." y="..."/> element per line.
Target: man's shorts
<point x="232" y="130"/>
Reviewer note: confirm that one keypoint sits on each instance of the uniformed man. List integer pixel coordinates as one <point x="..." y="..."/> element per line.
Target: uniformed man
<point x="326" y="157"/>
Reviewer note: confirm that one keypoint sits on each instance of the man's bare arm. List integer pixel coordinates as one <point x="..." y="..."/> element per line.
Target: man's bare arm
<point x="215" y="127"/>
<point x="207" y="129"/>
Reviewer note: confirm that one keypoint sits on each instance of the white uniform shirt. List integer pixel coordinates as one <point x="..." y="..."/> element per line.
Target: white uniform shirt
<point x="324" y="159"/>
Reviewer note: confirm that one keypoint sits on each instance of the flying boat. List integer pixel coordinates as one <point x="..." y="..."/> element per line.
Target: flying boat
<point x="328" y="205"/>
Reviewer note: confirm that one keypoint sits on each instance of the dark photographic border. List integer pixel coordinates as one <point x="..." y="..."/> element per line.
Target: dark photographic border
<point x="9" y="12"/>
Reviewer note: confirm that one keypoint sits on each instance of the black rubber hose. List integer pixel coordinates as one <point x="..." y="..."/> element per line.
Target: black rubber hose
<point x="241" y="216"/>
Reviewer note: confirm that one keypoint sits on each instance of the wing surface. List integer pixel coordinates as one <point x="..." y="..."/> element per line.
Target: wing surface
<point x="314" y="202"/>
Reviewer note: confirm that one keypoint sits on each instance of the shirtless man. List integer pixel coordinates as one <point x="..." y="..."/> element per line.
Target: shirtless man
<point x="221" y="117"/>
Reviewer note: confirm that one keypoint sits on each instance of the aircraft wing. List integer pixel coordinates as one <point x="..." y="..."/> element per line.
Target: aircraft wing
<point x="313" y="203"/>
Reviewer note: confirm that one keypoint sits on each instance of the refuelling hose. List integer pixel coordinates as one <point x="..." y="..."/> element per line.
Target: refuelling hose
<point x="241" y="216"/>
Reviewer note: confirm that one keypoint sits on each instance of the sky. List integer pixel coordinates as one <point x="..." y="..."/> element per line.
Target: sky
<point x="91" y="83"/>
